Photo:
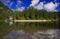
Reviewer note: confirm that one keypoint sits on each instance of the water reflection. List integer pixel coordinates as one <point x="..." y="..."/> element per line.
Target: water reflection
<point x="18" y="35"/>
<point x="31" y="28"/>
<point x="49" y="34"/>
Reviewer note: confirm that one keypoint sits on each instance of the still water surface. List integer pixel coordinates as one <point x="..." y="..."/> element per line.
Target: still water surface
<point x="42" y="30"/>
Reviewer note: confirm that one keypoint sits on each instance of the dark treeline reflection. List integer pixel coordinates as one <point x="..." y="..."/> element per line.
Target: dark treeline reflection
<point x="53" y="25"/>
<point x="29" y="27"/>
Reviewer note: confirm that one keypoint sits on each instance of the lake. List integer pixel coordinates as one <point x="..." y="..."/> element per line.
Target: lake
<point x="29" y="27"/>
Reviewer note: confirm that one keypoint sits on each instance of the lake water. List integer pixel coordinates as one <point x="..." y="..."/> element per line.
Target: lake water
<point x="36" y="30"/>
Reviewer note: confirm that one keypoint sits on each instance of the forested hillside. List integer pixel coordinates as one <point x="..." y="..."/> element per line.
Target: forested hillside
<point x="28" y="14"/>
<point x="4" y="11"/>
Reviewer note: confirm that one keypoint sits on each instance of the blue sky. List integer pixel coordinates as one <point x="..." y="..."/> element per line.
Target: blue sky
<point x="20" y="5"/>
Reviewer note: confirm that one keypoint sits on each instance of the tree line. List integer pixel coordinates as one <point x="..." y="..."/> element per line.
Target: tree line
<point x="27" y="14"/>
<point x="34" y="14"/>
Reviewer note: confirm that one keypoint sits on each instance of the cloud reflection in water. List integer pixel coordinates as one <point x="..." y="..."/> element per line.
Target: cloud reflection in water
<point x="49" y="34"/>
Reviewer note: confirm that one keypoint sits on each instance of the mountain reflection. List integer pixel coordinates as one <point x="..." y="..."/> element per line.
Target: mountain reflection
<point x="49" y="34"/>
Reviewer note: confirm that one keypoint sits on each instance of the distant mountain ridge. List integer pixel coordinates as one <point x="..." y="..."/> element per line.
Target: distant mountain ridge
<point x="27" y="14"/>
<point x="2" y="6"/>
<point x="4" y="11"/>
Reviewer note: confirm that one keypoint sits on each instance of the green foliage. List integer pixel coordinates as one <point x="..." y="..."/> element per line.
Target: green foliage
<point x="4" y="11"/>
<point x="27" y="14"/>
<point x="34" y="14"/>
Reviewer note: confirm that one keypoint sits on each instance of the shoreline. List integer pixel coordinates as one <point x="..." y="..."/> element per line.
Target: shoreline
<point x="34" y="20"/>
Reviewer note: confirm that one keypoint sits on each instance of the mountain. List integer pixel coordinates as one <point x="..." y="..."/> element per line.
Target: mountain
<point x="27" y="14"/>
<point x="4" y="11"/>
<point x="3" y="7"/>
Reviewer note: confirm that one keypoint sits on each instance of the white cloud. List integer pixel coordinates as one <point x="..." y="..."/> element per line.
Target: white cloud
<point x="19" y="6"/>
<point x="50" y="6"/>
<point x="19" y="1"/>
<point x="39" y="6"/>
<point x="34" y="2"/>
<point x="8" y="1"/>
<point x="20" y="9"/>
<point x="11" y="4"/>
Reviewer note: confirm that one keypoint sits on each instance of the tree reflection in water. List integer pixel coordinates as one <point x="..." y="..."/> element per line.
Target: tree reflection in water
<point x="49" y="34"/>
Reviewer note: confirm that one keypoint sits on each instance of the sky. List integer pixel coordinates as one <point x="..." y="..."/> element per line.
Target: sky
<point x="20" y="5"/>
